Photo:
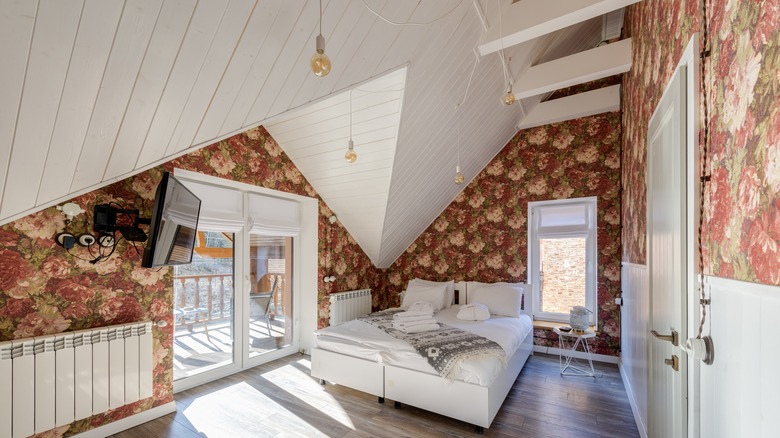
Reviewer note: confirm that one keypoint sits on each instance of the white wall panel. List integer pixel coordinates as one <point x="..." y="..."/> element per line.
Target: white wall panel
<point x="90" y="53"/>
<point x="189" y="61"/>
<point x="210" y="75"/>
<point x="739" y="391"/>
<point x="336" y="34"/>
<point x="249" y="46"/>
<point x="130" y="44"/>
<point x="264" y="61"/>
<point x="283" y="97"/>
<point x="49" y="57"/>
<point x="17" y="18"/>
<point x="634" y="330"/>
<point x="341" y="45"/>
<point x="153" y="76"/>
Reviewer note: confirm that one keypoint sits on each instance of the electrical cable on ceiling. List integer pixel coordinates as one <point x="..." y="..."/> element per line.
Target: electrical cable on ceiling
<point x="410" y="23"/>
<point x="501" y="40"/>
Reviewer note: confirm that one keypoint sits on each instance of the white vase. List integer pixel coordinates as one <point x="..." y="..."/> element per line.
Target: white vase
<point x="579" y="318"/>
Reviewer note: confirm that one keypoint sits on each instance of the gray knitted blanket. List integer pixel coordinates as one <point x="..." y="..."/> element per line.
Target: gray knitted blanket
<point x="444" y="349"/>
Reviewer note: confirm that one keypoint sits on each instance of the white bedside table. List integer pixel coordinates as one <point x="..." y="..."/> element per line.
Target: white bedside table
<point x="569" y="343"/>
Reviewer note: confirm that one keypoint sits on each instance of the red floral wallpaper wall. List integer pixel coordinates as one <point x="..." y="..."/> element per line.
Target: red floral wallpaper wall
<point x="482" y="235"/>
<point x="44" y="290"/>
<point x="742" y="213"/>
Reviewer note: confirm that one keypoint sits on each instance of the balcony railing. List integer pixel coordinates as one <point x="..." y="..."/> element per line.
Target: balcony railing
<point x="208" y="296"/>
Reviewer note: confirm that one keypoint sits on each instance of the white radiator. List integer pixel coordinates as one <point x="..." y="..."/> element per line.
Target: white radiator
<point x="346" y="306"/>
<point x="51" y="381"/>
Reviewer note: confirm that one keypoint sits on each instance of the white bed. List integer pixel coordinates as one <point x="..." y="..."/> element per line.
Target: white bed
<point x="363" y="357"/>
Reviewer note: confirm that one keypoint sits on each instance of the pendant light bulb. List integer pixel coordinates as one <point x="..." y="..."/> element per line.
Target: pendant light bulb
<point x="351" y="155"/>
<point x="509" y="97"/>
<point x="320" y="63"/>
<point x="459" y="178"/>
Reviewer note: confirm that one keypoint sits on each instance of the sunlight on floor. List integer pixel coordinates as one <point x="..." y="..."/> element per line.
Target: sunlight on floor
<point x="268" y="406"/>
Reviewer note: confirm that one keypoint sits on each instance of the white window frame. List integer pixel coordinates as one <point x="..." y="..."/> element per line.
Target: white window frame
<point x="591" y="255"/>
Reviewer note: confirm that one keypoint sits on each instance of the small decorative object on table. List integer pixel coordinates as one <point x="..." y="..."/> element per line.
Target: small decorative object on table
<point x="579" y="318"/>
<point x="569" y="341"/>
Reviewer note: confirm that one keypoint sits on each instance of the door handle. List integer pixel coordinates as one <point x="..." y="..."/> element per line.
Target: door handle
<point x="674" y="362"/>
<point x="673" y="338"/>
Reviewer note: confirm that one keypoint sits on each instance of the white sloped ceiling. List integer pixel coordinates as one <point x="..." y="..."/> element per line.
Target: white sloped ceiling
<point x="94" y="91"/>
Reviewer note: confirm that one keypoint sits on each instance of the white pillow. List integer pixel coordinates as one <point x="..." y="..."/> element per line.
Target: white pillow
<point x="427" y="283"/>
<point x="473" y="312"/>
<point x="500" y="298"/>
<point x="436" y="295"/>
<point x="474" y="285"/>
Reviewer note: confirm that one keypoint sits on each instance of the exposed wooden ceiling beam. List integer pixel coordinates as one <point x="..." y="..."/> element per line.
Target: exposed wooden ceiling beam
<point x="573" y="107"/>
<point x="579" y="68"/>
<point x="529" y="19"/>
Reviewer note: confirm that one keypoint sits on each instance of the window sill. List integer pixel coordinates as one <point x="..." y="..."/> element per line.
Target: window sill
<point x="549" y="325"/>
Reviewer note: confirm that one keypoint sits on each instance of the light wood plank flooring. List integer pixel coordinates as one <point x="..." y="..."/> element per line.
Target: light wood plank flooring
<point x="280" y="399"/>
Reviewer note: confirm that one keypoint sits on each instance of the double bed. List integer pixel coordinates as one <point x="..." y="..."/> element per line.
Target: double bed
<point x="363" y="357"/>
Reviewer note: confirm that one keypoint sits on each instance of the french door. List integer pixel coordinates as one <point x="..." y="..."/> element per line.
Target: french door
<point x="233" y="306"/>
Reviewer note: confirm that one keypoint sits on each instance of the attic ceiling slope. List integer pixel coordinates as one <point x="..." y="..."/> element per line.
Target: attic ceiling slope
<point x="94" y="92"/>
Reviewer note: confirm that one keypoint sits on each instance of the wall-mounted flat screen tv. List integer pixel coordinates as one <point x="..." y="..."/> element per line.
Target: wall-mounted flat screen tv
<point x="174" y="225"/>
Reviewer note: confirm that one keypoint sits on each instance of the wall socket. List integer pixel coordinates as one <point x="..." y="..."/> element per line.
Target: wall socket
<point x="106" y="241"/>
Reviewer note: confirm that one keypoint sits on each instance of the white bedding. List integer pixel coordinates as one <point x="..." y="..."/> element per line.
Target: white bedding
<point x="362" y="340"/>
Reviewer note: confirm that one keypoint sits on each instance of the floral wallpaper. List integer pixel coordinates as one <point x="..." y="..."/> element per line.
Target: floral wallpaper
<point x="44" y="290"/>
<point x="482" y="235"/>
<point x="742" y="206"/>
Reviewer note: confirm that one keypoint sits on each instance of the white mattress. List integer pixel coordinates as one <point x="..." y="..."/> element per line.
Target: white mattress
<point x="359" y="339"/>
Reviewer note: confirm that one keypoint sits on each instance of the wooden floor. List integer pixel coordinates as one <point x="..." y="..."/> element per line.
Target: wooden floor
<point x="281" y="399"/>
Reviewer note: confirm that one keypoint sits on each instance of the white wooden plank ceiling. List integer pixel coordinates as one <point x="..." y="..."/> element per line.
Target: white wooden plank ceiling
<point x="316" y="138"/>
<point x="93" y="91"/>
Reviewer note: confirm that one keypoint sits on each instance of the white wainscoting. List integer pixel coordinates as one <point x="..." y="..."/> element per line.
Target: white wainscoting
<point x="740" y="391"/>
<point x="634" y="328"/>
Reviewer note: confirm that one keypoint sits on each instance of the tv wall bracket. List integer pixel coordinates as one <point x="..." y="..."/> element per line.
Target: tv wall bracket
<point x="106" y="217"/>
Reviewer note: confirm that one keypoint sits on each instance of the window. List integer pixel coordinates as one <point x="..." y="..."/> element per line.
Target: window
<point x="562" y="257"/>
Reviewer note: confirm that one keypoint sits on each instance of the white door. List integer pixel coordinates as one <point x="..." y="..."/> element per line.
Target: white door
<point x="666" y="262"/>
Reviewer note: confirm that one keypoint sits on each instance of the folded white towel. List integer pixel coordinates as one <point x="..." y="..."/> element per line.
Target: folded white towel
<point x="408" y="314"/>
<point x="413" y="318"/>
<point x="421" y="328"/>
<point x="400" y="325"/>
<point x="473" y="312"/>
<point x="422" y="306"/>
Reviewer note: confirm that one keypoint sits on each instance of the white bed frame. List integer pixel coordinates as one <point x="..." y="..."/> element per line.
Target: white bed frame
<point x="467" y="402"/>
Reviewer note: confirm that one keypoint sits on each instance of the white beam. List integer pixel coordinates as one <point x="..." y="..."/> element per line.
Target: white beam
<point x="529" y="19"/>
<point x="579" y="68"/>
<point x="573" y="107"/>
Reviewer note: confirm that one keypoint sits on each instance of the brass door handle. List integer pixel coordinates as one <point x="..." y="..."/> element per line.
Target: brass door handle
<point x="674" y="362"/>
<point x="673" y="338"/>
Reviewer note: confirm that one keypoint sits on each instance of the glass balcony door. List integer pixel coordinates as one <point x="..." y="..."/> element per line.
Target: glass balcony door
<point x="269" y="296"/>
<point x="204" y="309"/>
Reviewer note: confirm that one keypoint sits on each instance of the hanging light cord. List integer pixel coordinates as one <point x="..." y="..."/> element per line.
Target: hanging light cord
<point x="350" y="114"/>
<point x="320" y="17"/>
<point x="704" y="179"/>
<point x="504" y="66"/>
<point x="410" y="23"/>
